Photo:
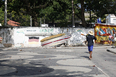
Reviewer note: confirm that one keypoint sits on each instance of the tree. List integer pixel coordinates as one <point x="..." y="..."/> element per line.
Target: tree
<point x="58" y="11"/>
<point x="1" y="3"/>
<point x="23" y="19"/>
<point x="98" y="7"/>
<point x="29" y="7"/>
<point x="52" y="10"/>
<point x="113" y="7"/>
<point x="1" y="16"/>
<point x="1" y="12"/>
<point x="81" y="11"/>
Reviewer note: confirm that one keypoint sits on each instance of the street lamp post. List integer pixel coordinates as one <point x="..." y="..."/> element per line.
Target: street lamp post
<point x="73" y="22"/>
<point x="5" y="13"/>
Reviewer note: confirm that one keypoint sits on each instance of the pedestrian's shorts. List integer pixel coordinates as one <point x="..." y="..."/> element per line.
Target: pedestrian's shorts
<point x="111" y="39"/>
<point x="90" y="48"/>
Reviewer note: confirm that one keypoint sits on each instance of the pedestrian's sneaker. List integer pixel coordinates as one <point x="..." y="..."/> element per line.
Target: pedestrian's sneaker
<point x="90" y="58"/>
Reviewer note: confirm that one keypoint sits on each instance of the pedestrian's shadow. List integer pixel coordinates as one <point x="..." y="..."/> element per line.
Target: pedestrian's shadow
<point x="113" y="47"/>
<point x="87" y="57"/>
<point x="86" y="52"/>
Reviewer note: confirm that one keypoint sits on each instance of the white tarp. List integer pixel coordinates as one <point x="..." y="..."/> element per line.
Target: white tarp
<point x="77" y="38"/>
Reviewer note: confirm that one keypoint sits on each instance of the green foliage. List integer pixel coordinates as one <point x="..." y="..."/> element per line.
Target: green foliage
<point x="58" y="12"/>
<point x="1" y="16"/>
<point x="99" y="7"/>
<point x="55" y="11"/>
<point x="1" y="3"/>
<point x="52" y="10"/>
<point x="30" y="7"/>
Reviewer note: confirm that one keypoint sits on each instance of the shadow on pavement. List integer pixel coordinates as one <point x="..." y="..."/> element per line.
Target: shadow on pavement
<point x="23" y="70"/>
<point x="111" y="51"/>
<point x="87" y="57"/>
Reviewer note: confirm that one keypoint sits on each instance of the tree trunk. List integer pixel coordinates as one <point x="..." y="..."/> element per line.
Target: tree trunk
<point x="35" y="23"/>
<point x="53" y="23"/>
<point x="82" y="13"/>
<point x="90" y="16"/>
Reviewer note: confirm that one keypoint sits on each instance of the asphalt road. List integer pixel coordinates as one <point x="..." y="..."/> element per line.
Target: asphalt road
<point x="57" y="62"/>
<point x="105" y="60"/>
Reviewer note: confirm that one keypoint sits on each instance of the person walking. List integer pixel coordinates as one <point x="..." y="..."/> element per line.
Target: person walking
<point x="111" y="39"/>
<point x="114" y="43"/>
<point x="90" y="38"/>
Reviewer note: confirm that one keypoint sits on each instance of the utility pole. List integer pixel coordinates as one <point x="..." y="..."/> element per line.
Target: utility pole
<point x="73" y="21"/>
<point x="40" y="21"/>
<point x="5" y="13"/>
<point x="31" y="21"/>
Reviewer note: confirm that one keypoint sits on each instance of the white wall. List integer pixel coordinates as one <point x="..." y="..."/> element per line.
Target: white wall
<point x="19" y="37"/>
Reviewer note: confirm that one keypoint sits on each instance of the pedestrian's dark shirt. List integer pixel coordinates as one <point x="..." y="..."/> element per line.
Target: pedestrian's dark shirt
<point x="90" y="39"/>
